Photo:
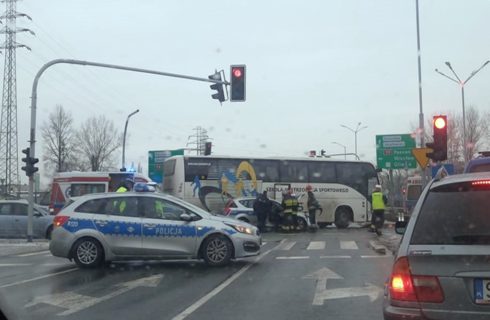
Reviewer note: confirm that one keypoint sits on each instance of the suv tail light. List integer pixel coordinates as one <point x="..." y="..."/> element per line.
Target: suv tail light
<point x="227" y="211"/>
<point x="58" y="221"/>
<point x="404" y="286"/>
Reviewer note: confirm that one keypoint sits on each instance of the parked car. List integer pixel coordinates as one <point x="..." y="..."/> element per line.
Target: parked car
<point x="242" y="209"/>
<point x="441" y="270"/>
<point x="13" y="220"/>
<point x="98" y="228"/>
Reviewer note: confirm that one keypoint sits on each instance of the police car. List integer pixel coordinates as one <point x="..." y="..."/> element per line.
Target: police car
<point x="99" y="228"/>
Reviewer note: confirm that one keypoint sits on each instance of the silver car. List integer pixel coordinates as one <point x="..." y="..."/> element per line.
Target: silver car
<point x="442" y="269"/>
<point x="131" y="225"/>
<point x="13" y="220"/>
<point x="242" y="209"/>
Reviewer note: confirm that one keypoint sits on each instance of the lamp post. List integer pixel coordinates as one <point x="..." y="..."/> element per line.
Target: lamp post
<point x="358" y="128"/>
<point x="123" y="167"/>
<point x="345" y="149"/>
<point x="462" y="84"/>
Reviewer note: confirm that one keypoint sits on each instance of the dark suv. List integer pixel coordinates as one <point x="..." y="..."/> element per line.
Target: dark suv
<point x="442" y="268"/>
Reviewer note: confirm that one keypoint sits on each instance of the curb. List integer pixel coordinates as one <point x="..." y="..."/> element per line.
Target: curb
<point x="14" y="248"/>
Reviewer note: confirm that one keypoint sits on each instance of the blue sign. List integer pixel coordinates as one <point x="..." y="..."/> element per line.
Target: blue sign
<point x="448" y="166"/>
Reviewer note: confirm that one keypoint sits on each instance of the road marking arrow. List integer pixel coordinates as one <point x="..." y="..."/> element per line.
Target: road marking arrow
<point x="75" y="302"/>
<point x="322" y="293"/>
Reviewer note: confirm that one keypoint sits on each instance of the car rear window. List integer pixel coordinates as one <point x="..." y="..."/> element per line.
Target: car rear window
<point x="455" y="214"/>
<point x="247" y="203"/>
<point x="484" y="167"/>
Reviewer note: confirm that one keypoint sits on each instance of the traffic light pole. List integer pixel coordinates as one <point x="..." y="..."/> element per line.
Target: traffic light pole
<point x="32" y="140"/>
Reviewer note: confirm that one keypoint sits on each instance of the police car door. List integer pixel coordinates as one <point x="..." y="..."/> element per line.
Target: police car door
<point x="118" y="220"/>
<point x="164" y="233"/>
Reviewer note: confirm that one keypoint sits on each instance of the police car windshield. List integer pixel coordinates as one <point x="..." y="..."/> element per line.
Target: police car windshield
<point x="194" y="208"/>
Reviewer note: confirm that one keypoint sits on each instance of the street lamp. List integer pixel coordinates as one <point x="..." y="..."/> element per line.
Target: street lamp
<point x="123" y="167"/>
<point x="358" y="128"/>
<point x="462" y="84"/>
<point x="345" y="149"/>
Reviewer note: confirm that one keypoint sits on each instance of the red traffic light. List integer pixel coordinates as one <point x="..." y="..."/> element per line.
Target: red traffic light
<point x="439" y="122"/>
<point x="237" y="72"/>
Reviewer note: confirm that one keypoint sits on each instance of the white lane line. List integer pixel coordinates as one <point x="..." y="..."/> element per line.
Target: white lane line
<point x="335" y="257"/>
<point x="348" y="245"/>
<point x="370" y="257"/>
<point x="221" y="287"/>
<point x="33" y="253"/>
<point x="14" y="264"/>
<point x="316" y="245"/>
<point x="293" y="258"/>
<point x="36" y="278"/>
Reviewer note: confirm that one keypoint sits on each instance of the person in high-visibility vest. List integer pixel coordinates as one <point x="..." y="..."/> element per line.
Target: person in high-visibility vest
<point x="124" y="187"/>
<point x="290" y="205"/>
<point x="378" y="204"/>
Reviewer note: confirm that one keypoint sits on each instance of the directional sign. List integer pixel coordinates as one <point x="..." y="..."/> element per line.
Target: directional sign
<point x="420" y="155"/>
<point x="156" y="158"/>
<point x="74" y="302"/>
<point x="394" y="151"/>
<point x="322" y="293"/>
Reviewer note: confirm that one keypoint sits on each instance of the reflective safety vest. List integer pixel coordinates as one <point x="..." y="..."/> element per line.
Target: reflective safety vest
<point x="159" y="208"/>
<point x="378" y="203"/>
<point x="291" y="205"/>
<point x="121" y="189"/>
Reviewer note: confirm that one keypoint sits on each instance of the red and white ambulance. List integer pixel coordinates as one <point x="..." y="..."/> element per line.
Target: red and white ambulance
<point x="76" y="183"/>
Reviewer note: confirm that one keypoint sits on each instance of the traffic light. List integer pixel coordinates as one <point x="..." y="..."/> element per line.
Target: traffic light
<point x="207" y="148"/>
<point x="238" y="80"/>
<point x="220" y="92"/>
<point x="439" y="146"/>
<point x="30" y="162"/>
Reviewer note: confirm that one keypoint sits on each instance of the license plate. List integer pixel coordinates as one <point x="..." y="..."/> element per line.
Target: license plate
<point x="482" y="291"/>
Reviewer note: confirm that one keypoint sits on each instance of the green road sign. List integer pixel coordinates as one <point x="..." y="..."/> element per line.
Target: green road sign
<point x="155" y="162"/>
<point x="394" y="151"/>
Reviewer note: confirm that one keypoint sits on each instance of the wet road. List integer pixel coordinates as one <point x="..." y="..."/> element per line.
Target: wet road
<point x="329" y="274"/>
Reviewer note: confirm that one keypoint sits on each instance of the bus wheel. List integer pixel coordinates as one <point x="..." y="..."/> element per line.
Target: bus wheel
<point x="343" y="217"/>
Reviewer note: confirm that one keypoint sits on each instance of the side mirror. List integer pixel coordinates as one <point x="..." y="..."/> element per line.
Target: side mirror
<point x="185" y="217"/>
<point x="37" y="214"/>
<point x="400" y="227"/>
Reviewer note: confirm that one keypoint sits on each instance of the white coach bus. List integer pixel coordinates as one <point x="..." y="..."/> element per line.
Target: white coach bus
<point x="341" y="187"/>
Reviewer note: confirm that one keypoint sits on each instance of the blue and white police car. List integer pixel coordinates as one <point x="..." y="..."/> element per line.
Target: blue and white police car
<point x="99" y="228"/>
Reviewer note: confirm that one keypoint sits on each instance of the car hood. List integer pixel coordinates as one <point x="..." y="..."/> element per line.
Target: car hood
<point x="230" y="221"/>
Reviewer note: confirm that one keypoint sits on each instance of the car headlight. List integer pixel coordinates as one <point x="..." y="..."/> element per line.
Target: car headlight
<point x="241" y="229"/>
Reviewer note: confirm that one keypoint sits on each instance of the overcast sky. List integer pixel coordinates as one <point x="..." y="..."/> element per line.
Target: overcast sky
<point x="311" y="66"/>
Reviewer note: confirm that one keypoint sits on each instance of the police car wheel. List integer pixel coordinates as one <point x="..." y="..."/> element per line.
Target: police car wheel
<point x="217" y="250"/>
<point x="87" y="253"/>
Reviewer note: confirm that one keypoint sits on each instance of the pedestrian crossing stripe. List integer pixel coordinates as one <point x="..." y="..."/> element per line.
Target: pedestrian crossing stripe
<point x="287" y="245"/>
<point x="316" y="245"/>
<point x="348" y="245"/>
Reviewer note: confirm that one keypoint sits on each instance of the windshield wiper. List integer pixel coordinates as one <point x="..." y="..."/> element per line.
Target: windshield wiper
<point x="472" y="238"/>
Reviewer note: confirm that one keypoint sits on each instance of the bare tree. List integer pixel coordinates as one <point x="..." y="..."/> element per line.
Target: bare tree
<point x="59" y="140"/>
<point x="476" y="132"/>
<point x="97" y="140"/>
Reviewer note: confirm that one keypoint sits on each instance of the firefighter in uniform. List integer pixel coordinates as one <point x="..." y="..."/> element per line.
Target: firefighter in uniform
<point x="290" y="205"/>
<point x="378" y="203"/>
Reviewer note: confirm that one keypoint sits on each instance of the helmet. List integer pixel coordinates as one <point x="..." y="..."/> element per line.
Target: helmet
<point x="378" y="186"/>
